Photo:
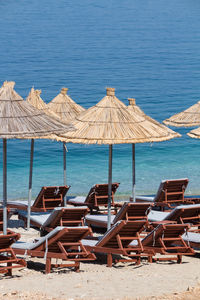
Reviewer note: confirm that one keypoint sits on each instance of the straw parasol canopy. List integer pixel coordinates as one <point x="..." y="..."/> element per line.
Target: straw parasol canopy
<point x="110" y="122"/>
<point x="64" y="106"/>
<point x="35" y="99"/>
<point x="19" y="119"/>
<point x="159" y="128"/>
<point x="187" y="118"/>
<point x="195" y="133"/>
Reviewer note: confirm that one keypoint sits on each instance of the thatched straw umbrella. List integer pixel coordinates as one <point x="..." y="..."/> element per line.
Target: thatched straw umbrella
<point x="19" y="119"/>
<point x="110" y="122"/>
<point x="67" y="110"/>
<point x="63" y="106"/>
<point x="195" y="133"/>
<point x="157" y="130"/>
<point x="187" y="118"/>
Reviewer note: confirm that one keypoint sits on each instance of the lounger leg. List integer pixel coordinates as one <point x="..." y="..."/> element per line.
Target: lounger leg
<point x="48" y="266"/>
<point x="77" y="267"/>
<point x="9" y="273"/>
<point x="150" y="259"/>
<point x="138" y="261"/>
<point x="109" y="260"/>
<point x="179" y="260"/>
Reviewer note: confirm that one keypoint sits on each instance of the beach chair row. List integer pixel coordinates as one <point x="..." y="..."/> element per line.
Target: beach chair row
<point x="72" y="245"/>
<point x="170" y="193"/>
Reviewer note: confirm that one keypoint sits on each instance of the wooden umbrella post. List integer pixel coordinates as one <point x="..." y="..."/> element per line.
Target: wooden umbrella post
<point x="133" y="172"/>
<point x="30" y="184"/>
<point x="109" y="186"/>
<point x="4" y="186"/>
<point x="64" y="170"/>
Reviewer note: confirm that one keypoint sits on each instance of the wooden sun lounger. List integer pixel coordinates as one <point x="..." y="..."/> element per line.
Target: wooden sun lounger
<point x="96" y="198"/>
<point x="61" y="243"/>
<point x="181" y="214"/>
<point x="116" y="241"/>
<point x="48" y="198"/>
<point x="8" y="259"/>
<point x="167" y="240"/>
<point x="170" y="193"/>
<point x="60" y="216"/>
<point x="129" y="211"/>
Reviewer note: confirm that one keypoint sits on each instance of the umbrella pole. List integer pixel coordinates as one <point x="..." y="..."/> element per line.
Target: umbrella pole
<point x="4" y="186"/>
<point x="109" y="187"/>
<point x="133" y="172"/>
<point x="30" y="184"/>
<point x="64" y="170"/>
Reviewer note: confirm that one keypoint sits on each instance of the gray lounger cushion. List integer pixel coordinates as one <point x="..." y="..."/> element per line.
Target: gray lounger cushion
<point x="192" y="237"/>
<point x="78" y="199"/>
<point x="37" y="217"/>
<point x="145" y="198"/>
<point x="99" y="218"/>
<point x="157" y="216"/>
<point x="20" y="202"/>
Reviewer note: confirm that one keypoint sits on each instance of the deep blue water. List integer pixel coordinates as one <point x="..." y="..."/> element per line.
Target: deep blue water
<point x="148" y="50"/>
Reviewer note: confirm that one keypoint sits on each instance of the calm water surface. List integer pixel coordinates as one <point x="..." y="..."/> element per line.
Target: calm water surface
<point x="148" y="50"/>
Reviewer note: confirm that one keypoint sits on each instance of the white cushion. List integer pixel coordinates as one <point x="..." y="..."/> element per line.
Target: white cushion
<point x="191" y="237"/>
<point x="145" y="198"/>
<point x="99" y="218"/>
<point x="157" y="216"/>
<point x="78" y="199"/>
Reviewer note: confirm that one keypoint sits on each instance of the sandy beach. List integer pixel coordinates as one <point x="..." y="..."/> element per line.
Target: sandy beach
<point x="161" y="280"/>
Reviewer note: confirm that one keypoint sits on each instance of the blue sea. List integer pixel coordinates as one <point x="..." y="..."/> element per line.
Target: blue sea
<point x="145" y="49"/>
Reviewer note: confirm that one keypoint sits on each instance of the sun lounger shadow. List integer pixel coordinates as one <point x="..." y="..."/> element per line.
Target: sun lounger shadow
<point x="170" y="193"/>
<point x="48" y="198"/>
<point x="129" y="211"/>
<point x="96" y="198"/>
<point x="62" y="243"/>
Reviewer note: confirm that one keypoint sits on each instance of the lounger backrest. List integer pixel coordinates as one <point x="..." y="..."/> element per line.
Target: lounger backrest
<point x="132" y="211"/>
<point x="170" y="190"/>
<point x="185" y="213"/>
<point x="98" y="195"/>
<point x="50" y="197"/>
<point x="167" y="231"/>
<point x="68" y="216"/>
<point x="125" y="230"/>
<point x="62" y="236"/>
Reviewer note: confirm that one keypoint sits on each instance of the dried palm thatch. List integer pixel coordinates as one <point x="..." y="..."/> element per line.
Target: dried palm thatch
<point x="110" y="122"/>
<point x="195" y="133"/>
<point x="35" y="100"/>
<point x="65" y="107"/>
<point x="19" y="119"/>
<point x="133" y="108"/>
<point x="187" y="118"/>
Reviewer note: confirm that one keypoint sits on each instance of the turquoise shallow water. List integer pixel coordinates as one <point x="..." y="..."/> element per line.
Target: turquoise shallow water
<point x="148" y="50"/>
